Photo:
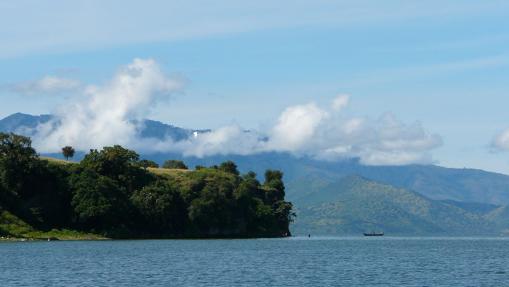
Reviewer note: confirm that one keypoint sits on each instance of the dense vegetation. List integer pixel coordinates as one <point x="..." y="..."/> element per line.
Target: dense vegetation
<point x="172" y="163"/>
<point x="113" y="193"/>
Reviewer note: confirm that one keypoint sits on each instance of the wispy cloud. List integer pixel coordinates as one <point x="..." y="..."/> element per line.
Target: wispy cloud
<point x="50" y="26"/>
<point x="389" y="75"/>
<point x="45" y="85"/>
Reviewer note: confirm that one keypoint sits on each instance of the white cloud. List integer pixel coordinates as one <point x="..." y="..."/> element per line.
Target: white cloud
<point x="295" y="127"/>
<point x="226" y="140"/>
<point x="340" y="102"/>
<point x="46" y="85"/>
<point x="387" y="141"/>
<point x="375" y="142"/>
<point x="107" y="115"/>
<point x="501" y="141"/>
<point x="104" y="116"/>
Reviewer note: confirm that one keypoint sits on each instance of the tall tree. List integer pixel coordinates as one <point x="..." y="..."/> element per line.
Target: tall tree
<point x="68" y="152"/>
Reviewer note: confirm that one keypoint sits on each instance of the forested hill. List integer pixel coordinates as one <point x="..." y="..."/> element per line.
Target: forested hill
<point x="354" y="205"/>
<point x="112" y="193"/>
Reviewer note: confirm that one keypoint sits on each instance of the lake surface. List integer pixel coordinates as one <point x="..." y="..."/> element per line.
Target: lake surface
<point x="263" y="262"/>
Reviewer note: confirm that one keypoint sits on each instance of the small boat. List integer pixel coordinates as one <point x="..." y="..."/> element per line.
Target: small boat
<point x="374" y="234"/>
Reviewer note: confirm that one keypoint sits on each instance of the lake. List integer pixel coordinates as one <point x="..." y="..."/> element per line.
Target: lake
<point x="299" y="261"/>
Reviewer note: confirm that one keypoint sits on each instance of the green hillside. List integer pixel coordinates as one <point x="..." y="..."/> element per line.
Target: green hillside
<point x="114" y="194"/>
<point x="500" y="218"/>
<point x="355" y="205"/>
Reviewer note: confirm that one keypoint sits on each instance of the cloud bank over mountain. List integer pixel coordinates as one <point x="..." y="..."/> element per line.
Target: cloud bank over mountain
<point x="102" y="116"/>
<point x="111" y="114"/>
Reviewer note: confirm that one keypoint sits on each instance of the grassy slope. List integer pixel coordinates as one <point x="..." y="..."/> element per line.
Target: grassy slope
<point x="11" y="227"/>
<point x="56" y="160"/>
<point x="166" y="171"/>
<point x="158" y="171"/>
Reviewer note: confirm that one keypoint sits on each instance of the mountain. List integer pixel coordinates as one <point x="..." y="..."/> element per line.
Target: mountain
<point x="435" y="182"/>
<point x="354" y="205"/>
<point x="159" y="130"/>
<point x="22" y="123"/>
<point x="26" y="125"/>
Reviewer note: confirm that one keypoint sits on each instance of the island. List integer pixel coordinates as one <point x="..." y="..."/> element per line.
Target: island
<point x="113" y="194"/>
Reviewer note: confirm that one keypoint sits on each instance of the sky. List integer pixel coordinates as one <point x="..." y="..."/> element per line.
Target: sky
<point x="390" y="82"/>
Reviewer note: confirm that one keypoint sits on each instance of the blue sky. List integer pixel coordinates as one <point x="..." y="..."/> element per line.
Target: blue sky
<point x="444" y="64"/>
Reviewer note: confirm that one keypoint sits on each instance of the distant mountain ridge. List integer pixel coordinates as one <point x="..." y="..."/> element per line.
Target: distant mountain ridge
<point x="20" y="122"/>
<point x="26" y="124"/>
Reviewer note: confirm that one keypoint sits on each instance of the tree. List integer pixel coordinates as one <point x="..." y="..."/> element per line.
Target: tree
<point x="251" y="186"/>
<point x="68" y="152"/>
<point x="162" y="208"/>
<point x="213" y="212"/>
<point x="274" y="186"/>
<point x="17" y="161"/>
<point x="97" y="200"/>
<point x="229" y="167"/>
<point x="284" y="215"/>
<point x="174" y="164"/>
<point x="248" y="195"/>
<point x="145" y="163"/>
<point x="111" y="161"/>
<point x="119" y="164"/>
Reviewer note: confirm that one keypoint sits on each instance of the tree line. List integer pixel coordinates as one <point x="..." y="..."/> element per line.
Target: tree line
<point x="114" y="193"/>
